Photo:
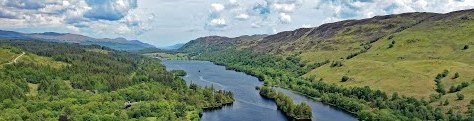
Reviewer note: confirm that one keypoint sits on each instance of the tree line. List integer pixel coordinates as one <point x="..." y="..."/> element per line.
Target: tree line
<point x="301" y="111"/>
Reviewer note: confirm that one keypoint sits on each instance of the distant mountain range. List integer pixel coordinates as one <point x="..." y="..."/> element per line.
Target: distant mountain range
<point x="173" y="47"/>
<point x="117" y="43"/>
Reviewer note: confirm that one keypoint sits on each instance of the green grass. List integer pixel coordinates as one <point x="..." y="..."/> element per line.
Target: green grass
<point x="33" y="89"/>
<point x="6" y="55"/>
<point x="409" y="68"/>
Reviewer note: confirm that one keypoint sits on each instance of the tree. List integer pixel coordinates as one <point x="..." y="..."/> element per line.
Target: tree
<point x="395" y="96"/>
<point x="345" y="78"/>
<point x="460" y="96"/>
<point x="465" y="47"/>
<point x="446" y="102"/>
<point x="445" y="73"/>
<point x="456" y="75"/>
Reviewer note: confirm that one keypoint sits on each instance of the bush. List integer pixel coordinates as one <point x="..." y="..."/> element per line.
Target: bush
<point x="391" y="44"/>
<point x="465" y="47"/>
<point x="460" y="96"/>
<point x="456" y="75"/>
<point x="446" y="102"/>
<point x="345" y="78"/>
<point x="336" y="64"/>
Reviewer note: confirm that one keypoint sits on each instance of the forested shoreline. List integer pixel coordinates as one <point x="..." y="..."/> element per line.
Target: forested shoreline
<point x="300" y="112"/>
<point x="76" y="82"/>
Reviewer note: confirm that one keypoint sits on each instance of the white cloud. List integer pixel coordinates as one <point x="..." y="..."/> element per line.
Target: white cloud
<point x="217" y="7"/>
<point x="242" y="17"/>
<point x="218" y="22"/>
<point x="233" y="1"/>
<point x="286" y="8"/>
<point x="307" y="26"/>
<point x="255" y="25"/>
<point x="285" y="18"/>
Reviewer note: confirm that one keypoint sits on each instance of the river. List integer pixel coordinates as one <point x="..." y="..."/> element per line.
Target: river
<point x="249" y="105"/>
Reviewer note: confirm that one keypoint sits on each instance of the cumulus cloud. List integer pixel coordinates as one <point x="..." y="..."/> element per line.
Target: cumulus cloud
<point x="109" y="9"/>
<point x="215" y="19"/>
<point x="242" y="17"/>
<point x="285" y="8"/>
<point x="285" y="18"/>
<point x="219" y="22"/>
<point x="262" y="14"/>
<point x="5" y="13"/>
<point x="99" y="16"/>
<point x="216" y="7"/>
<point x="25" y="4"/>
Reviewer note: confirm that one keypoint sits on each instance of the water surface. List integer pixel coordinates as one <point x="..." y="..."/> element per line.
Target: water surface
<point x="249" y="105"/>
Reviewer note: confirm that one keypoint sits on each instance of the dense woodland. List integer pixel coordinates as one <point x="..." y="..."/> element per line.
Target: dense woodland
<point x="96" y="83"/>
<point x="366" y="103"/>
<point x="300" y="111"/>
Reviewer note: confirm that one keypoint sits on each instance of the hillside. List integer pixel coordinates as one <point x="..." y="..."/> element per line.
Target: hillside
<point x="400" y="54"/>
<point x="215" y="43"/>
<point x="117" y="43"/>
<point x="58" y="81"/>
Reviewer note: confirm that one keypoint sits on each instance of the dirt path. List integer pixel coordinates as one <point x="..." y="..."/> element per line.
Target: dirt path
<point x="16" y="59"/>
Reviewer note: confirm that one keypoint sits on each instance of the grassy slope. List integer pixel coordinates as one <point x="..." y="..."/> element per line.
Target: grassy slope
<point x="7" y="55"/>
<point x="11" y="53"/>
<point x="419" y="54"/>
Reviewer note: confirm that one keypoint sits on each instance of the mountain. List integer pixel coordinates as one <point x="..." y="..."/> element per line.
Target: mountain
<point x="213" y="43"/>
<point x="402" y="53"/>
<point x="117" y="43"/>
<point x="38" y="77"/>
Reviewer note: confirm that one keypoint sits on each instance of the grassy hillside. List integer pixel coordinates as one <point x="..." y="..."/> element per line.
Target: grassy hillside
<point x="418" y="54"/>
<point x="54" y="81"/>
<point x="405" y="54"/>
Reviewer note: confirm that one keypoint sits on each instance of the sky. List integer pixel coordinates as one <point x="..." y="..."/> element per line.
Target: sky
<point x="168" y="22"/>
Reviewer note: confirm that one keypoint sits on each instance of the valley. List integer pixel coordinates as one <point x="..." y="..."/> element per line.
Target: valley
<point x="397" y="67"/>
<point x="394" y="58"/>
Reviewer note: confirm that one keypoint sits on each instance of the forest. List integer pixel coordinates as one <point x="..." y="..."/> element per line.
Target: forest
<point x="366" y="103"/>
<point x="75" y="82"/>
<point x="301" y="111"/>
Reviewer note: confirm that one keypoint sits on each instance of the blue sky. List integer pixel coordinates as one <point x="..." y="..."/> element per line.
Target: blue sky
<point x="167" y="22"/>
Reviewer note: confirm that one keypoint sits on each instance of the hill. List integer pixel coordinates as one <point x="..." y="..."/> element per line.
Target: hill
<point x="117" y="43"/>
<point x="404" y="54"/>
<point x="59" y="81"/>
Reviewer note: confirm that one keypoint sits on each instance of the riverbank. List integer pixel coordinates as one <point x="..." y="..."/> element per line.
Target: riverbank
<point x="249" y="104"/>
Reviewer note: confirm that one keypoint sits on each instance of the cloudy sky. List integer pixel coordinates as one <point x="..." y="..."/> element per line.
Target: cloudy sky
<point x="167" y="22"/>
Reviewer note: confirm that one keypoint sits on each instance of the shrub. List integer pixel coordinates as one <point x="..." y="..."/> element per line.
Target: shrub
<point x="460" y="96"/>
<point x="345" y="79"/>
<point x="391" y="44"/>
<point x="336" y="64"/>
<point x="456" y="75"/>
<point x="446" y="102"/>
<point x="465" y="47"/>
<point x="445" y="73"/>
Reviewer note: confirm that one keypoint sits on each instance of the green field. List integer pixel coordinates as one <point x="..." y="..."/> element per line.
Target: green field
<point x="410" y="66"/>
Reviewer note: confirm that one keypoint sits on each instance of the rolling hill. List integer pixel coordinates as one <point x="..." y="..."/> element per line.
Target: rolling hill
<point x="402" y="53"/>
<point x="117" y="43"/>
<point x="59" y="81"/>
